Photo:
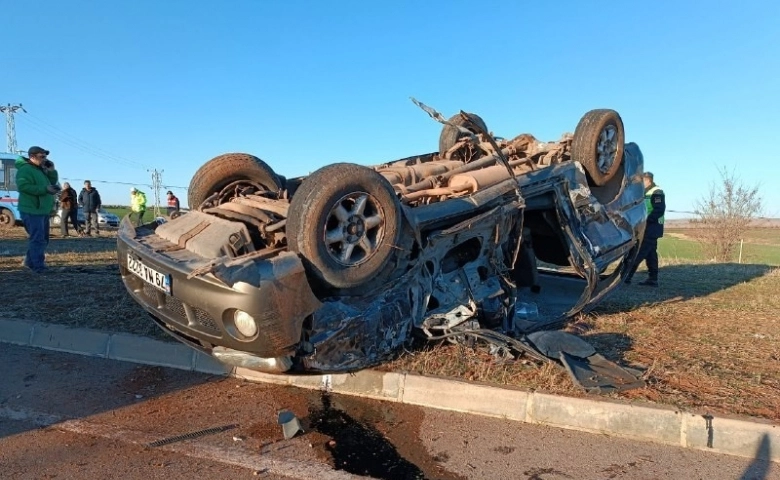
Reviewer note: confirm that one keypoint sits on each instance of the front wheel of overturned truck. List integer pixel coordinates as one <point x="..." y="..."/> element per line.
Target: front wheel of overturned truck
<point x="231" y="173"/>
<point x="346" y="221"/>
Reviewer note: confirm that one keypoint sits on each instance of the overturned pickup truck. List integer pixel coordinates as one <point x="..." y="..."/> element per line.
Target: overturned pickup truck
<point x="338" y="270"/>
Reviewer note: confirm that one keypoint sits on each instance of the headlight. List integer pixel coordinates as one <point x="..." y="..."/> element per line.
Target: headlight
<point x="245" y="323"/>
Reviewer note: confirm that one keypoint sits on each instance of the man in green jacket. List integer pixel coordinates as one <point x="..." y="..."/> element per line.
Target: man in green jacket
<point x="137" y="205"/>
<point x="36" y="179"/>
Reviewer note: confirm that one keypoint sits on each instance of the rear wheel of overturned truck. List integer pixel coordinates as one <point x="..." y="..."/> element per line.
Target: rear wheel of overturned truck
<point x="598" y="145"/>
<point x="345" y="221"/>
<point x="450" y="135"/>
<point x="230" y="174"/>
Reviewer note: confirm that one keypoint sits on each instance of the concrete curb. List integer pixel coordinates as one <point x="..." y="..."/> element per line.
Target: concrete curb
<point x="740" y="436"/>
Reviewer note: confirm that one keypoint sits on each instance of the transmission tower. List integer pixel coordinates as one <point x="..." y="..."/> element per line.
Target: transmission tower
<point x="10" y="127"/>
<point x="157" y="187"/>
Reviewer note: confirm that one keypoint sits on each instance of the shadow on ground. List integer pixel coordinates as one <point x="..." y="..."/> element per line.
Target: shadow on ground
<point x="759" y="467"/>
<point x="679" y="283"/>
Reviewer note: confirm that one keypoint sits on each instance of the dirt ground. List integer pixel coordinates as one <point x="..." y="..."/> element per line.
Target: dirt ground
<point x="707" y="339"/>
<point x="82" y="289"/>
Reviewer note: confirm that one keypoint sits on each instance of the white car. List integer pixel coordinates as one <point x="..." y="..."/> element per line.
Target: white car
<point x="105" y="218"/>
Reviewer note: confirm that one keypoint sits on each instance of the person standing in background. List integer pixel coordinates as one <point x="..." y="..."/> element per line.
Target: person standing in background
<point x="69" y="209"/>
<point x="89" y="199"/>
<point x="655" y="205"/>
<point x="36" y="179"/>
<point x="173" y="203"/>
<point x="137" y="206"/>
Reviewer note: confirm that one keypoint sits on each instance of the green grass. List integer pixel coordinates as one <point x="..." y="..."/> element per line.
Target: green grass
<point x="761" y="247"/>
<point x="672" y="248"/>
<point x="121" y="212"/>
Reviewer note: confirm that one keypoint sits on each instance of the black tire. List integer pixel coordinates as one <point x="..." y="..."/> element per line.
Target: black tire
<point x="450" y="135"/>
<point x="597" y="130"/>
<point x="313" y="213"/>
<point x="7" y="218"/>
<point x="220" y="171"/>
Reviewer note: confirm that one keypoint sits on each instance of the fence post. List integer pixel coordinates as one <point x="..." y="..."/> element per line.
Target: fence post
<point x="741" y="240"/>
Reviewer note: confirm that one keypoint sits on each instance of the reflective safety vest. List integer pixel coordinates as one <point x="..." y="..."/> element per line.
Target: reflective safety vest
<point x="138" y="201"/>
<point x="648" y="203"/>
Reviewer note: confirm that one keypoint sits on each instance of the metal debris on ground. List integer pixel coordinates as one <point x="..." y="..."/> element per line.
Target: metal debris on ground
<point x="588" y="370"/>
<point x="191" y="435"/>
<point x="291" y="426"/>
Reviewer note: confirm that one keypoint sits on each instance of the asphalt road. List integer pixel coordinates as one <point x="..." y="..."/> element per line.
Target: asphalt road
<point x="67" y="416"/>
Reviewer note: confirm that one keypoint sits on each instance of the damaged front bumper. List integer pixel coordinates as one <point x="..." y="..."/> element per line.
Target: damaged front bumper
<point x="201" y="309"/>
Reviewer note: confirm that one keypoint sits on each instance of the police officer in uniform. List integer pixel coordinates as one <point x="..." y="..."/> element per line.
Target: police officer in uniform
<point x="655" y="203"/>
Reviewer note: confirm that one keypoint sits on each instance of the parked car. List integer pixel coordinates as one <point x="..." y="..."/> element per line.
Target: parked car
<point x="339" y="270"/>
<point x="105" y="218"/>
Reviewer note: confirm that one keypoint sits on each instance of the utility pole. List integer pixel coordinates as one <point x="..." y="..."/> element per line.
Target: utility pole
<point x="157" y="187"/>
<point x="10" y="127"/>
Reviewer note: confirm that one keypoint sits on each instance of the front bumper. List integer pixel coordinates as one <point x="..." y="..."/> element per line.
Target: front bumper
<point x="200" y="308"/>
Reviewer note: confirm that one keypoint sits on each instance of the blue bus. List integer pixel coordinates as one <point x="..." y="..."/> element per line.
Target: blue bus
<point x="9" y="195"/>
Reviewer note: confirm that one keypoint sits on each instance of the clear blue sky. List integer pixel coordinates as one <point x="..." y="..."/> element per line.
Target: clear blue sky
<point x="305" y="83"/>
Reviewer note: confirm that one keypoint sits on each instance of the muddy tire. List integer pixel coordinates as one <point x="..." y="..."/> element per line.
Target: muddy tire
<point x="450" y="135"/>
<point x="598" y="145"/>
<point x="345" y="222"/>
<point x="7" y="218"/>
<point x="220" y="171"/>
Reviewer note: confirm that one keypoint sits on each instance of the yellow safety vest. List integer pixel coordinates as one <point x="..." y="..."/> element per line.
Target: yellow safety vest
<point x="648" y="203"/>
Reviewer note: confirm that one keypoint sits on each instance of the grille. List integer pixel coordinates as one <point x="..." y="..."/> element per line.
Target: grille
<point x="152" y="294"/>
<point x="205" y="321"/>
<point x="197" y="318"/>
<point x="174" y="305"/>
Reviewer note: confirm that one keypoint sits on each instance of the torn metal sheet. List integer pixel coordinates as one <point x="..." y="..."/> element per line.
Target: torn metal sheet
<point x="596" y="374"/>
<point x="554" y="342"/>
<point x="588" y="369"/>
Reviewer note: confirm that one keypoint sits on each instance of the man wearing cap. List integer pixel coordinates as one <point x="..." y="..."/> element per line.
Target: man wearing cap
<point x="137" y="205"/>
<point x="90" y="201"/>
<point x="655" y="204"/>
<point x="173" y="203"/>
<point x="36" y="179"/>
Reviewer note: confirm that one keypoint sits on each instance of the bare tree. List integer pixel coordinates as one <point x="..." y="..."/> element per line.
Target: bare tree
<point x="724" y="214"/>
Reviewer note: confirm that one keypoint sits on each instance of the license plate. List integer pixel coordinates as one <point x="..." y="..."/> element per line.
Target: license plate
<point x="160" y="281"/>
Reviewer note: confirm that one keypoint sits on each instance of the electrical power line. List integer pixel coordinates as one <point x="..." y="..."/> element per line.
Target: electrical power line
<point x="113" y="182"/>
<point x="79" y="145"/>
<point x="77" y="140"/>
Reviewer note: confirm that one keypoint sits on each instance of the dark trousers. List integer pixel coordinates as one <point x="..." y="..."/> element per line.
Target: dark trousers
<point x="71" y="216"/>
<point x="137" y="217"/>
<point x="91" y="218"/>
<point x="37" y="228"/>
<point x="648" y="252"/>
